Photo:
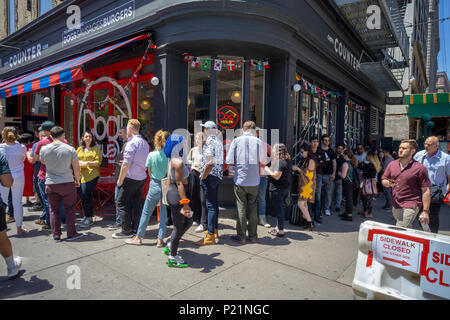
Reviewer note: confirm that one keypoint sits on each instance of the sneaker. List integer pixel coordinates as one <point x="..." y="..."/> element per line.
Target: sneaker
<point x="166" y="251"/>
<point x="121" y="235"/>
<point x="57" y="239"/>
<point x="75" y="237"/>
<point x="200" y="228"/>
<point x="39" y="222"/>
<point x="45" y="227"/>
<point x="176" y="262"/>
<point x="115" y="226"/>
<point x="35" y="208"/>
<point x="86" y="223"/>
<point x="14" y="271"/>
<point x="9" y="219"/>
<point x="319" y="221"/>
<point x="327" y="212"/>
<point x="337" y="210"/>
<point x="195" y="223"/>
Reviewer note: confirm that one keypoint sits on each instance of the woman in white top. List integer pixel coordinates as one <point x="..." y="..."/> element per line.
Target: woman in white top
<point x="15" y="153"/>
<point x="195" y="161"/>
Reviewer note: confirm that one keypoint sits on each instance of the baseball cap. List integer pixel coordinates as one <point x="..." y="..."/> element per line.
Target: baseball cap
<point x="47" y="126"/>
<point x="209" y="125"/>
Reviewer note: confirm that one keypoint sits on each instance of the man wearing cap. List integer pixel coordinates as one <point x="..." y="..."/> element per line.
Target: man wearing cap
<point x="45" y="128"/>
<point x="210" y="177"/>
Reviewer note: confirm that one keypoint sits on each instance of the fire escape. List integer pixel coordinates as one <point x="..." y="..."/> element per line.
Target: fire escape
<point x="388" y="45"/>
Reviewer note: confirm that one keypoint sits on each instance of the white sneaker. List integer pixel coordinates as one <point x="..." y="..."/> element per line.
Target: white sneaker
<point x="15" y="270"/>
<point x="200" y="228"/>
<point x="194" y="223"/>
<point x="177" y="258"/>
<point x="86" y="223"/>
<point x="327" y="212"/>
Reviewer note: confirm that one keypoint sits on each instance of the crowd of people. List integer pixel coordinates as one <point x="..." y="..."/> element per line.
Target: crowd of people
<point x="185" y="184"/>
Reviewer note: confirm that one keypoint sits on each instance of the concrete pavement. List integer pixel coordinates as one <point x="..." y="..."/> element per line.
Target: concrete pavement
<point x="302" y="265"/>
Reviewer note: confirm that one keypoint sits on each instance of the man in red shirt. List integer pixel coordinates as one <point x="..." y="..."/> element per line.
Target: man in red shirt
<point x="410" y="186"/>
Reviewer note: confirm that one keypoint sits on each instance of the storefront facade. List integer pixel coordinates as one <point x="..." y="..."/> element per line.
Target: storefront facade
<point x="264" y="49"/>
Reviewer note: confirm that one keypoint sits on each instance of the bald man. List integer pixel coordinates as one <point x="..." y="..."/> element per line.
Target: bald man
<point x="438" y="166"/>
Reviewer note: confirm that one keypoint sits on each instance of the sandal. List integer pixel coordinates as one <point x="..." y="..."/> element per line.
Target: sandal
<point x="274" y="232"/>
<point x="134" y="241"/>
<point x="160" y="243"/>
<point x="22" y="232"/>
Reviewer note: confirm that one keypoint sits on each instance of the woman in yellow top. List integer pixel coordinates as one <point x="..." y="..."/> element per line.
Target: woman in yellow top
<point x="90" y="157"/>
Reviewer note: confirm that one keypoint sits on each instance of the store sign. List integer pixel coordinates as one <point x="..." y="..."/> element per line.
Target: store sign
<point x="227" y="117"/>
<point x="436" y="279"/>
<point x="108" y="20"/>
<point x="25" y="55"/>
<point x="85" y="114"/>
<point x="344" y="52"/>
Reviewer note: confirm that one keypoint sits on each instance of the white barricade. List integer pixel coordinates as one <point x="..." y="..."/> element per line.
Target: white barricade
<point x="399" y="263"/>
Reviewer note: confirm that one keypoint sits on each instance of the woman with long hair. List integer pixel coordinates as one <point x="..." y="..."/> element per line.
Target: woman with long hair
<point x="370" y="167"/>
<point x="90" y="159"/>
<point x="279" y="185"/>
<point x="307" y="182"/>
<point x="157" y="169"/>
<point x="178" y="198"/>
<point x="347" y="178"/>
<point x="15" y="153"/>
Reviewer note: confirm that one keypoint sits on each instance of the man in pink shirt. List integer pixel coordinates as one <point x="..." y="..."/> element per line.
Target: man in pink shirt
<point x="410" y="186"/>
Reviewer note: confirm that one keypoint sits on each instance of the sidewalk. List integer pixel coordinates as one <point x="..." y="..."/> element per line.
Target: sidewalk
<point x="302" y="265"/>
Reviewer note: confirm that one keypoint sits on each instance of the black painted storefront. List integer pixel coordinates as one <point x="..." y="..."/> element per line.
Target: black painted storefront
<point x="295" y="35"/>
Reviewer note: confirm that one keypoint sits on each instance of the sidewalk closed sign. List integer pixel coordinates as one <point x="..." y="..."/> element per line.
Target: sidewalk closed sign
<point x="436" y="279"/>
<point x="397" y="251"/>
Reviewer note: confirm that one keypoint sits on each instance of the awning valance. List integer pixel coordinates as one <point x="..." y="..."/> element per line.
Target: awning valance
<point x="433" y="104"/>
<point x="63" y="72"/>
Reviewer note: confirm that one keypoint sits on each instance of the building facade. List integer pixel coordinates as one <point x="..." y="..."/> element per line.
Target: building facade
<point x="442" y="83"/>
<point x="419" y="76"/>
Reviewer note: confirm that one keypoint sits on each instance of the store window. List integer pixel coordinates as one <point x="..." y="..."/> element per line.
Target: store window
<point x="306" y="102"/>
<point x="101" y="111"/>
<point x="229" y="88"/>
<point x="145" y="109"/>
<point x="332" y="123"/>
<point x="121" y="107"/>
<point x="257" y="97"/>
<point x="316" y="116"/>
<point x="325" y="117"/>
<point x="38" y="105"/>
<point x="68" y="118"/>
<point x="198" y="96"/>
<point x="44" y="6"/>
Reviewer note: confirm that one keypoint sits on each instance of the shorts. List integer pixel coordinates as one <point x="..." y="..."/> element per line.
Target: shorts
<point x="405" y="216"/>
<point x="2" y="218"/>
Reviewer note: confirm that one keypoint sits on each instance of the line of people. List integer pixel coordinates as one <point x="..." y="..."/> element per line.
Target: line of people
<point x="186" y="185"/>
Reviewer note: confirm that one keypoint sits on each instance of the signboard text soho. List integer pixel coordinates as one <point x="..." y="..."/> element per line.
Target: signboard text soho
<point x="344" y="52"/>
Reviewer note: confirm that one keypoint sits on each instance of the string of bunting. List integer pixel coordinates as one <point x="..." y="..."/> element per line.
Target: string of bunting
<point x="358" y="107"/>
<point x="316" y="90"/>
<point x="118" y="97"/>
<point x="219" y="64"/>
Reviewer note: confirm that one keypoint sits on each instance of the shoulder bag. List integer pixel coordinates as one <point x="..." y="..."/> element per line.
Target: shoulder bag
<point x="435" y="191"/>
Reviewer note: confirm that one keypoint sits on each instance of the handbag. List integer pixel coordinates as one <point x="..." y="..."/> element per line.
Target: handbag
<point x="367" y="186"/>
<point x="435" y="191"/>
<point x="165" y="184"/>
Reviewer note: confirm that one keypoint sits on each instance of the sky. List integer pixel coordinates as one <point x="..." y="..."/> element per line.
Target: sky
<point x="444" y="33"/>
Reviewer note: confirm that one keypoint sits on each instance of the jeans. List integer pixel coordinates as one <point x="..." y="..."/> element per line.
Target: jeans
<point x="328" y="187"/>
<point x="262" y="196"/>
<point x="338" y="189"/>
<point x="45" y="213"/>
<point x="277" y="198"/>
<point x="65" y="193"/>
<point x="210" y="187"/>
<point x="388" y="196"/>
<point x="128" y="203"/>
<point x="246" y="202"/>
<point x="318" y="196"/>
<point x="36" y="188"/>
<point x="347" y="190"/>
<point x="17" y="193"/>
<point x="151" y="201"/>
<point x="116" y="194"/>
<point x="85" y="192"/>
<point x="180" y="223"/>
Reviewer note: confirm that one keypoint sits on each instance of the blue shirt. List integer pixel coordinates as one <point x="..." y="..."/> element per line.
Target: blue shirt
<point x="438" y="167"/>
<point x="246" y="152"/>
<point x="36" y="165"/>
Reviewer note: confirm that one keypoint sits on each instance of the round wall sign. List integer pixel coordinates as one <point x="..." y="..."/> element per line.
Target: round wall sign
<point x="227" y="117"/>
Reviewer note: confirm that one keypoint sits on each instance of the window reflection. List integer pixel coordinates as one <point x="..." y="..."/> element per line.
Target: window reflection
<point x="257" y="97"/>
<point x="145" y="110"/>
<point x="198" y="95"/>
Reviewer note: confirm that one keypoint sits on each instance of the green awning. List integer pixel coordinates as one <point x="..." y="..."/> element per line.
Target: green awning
<point x="434" y="104"/>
